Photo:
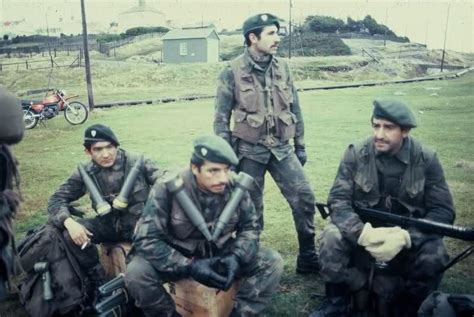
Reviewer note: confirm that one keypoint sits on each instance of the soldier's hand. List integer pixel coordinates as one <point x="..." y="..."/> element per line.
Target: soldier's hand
<point x="300" y="153"/>
<point x="79" y="234"/>
<point x="374" y="236"/>
<point x="232" y="267"/>
<point x="395" y="241"/>
<point x="204" y="271"/>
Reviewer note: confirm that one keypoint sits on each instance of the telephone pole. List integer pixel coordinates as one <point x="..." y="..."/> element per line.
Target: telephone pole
<point x="445" y="36"/>
<point x="90" y="94"/>
<point x="289" y="28"/>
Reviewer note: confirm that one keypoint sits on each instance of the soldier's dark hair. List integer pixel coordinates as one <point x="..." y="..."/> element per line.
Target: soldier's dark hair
<point x="257" y="33"/>
<point x="198" y="161"/>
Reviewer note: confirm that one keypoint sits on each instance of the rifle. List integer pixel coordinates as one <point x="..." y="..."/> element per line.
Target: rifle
<point x="428" y="226"/>
<point x="115" y="295"/>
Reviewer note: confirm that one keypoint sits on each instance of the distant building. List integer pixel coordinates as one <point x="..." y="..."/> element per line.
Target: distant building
<point x="191" y="46"/>
<point x="141" y="15"/>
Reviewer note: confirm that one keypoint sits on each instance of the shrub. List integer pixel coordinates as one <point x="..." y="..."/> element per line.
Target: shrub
<point x="312" y="44"/>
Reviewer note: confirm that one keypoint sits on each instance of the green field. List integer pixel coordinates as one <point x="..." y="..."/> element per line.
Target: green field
<point x="333" y="119"/>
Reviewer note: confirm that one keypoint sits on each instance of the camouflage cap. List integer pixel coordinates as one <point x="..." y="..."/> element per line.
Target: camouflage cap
<point x="214" y="149"/>
<point x="394" y="111"/>
<point x="99" y="133"/>
<point x="258" y="21"/>
<point x="12" y="126"/>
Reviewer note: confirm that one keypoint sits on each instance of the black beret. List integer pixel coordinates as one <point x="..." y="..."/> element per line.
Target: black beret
<point x="12" y="126"/>
<point x="214" y="149"/>
<point x="99" y="133"/>
<point x="394" y="111"/>
<point x="258" y="21"/>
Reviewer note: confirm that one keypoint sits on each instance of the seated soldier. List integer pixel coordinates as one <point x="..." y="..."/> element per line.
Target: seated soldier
<point x="168" y="246"/>
<point x="11" y="132"/>
<point x="393" y="172"/>
<point x="108" y="168"/>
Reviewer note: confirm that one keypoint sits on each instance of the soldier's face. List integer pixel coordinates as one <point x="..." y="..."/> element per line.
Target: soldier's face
<point x="212" y="177"/>
<point x="103" y="153"/>
<point x="388" y="137"/>
<point x="268" y="42"/>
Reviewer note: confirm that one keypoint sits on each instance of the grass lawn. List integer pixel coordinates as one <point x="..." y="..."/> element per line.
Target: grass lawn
<point x="333" y="119"/>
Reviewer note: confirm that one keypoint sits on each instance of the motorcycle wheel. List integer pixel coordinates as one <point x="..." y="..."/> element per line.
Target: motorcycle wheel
<point x="76" y="113"/>
<point x="30" y="119"/>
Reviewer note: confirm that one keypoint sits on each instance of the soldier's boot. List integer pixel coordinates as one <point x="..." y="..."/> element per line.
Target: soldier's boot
<point x="337" y="302"/>
<point x="96" y="276"/>
<point x="308" y="260"/>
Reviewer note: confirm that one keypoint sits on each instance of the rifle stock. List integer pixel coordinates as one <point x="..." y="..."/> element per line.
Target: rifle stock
<point x="428" y="226"/>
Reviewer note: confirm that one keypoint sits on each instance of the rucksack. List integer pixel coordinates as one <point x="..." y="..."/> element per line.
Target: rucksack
<point x="46" y="244"/>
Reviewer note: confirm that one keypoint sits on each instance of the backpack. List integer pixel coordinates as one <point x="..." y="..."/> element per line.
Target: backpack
<point x="46" y="244"/>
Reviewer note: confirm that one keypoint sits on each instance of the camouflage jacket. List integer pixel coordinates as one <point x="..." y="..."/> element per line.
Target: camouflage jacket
<point x="421" y="189"/>
<point x="109" y="181"/>
<point x="164" y="233"/>
<point x="264" y="105"/>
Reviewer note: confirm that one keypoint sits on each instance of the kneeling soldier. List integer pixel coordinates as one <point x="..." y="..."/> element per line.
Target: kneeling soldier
<point x="174" y="241"/>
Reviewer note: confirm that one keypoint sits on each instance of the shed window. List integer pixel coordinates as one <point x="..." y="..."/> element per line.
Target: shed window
<point x="183" y="49"/>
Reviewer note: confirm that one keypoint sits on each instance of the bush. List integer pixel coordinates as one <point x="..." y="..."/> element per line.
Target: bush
<point x="106" y="38"/>
<point x="144" y="30"/>
<point x="323" y="24"/>
<point x="312" y="44"/>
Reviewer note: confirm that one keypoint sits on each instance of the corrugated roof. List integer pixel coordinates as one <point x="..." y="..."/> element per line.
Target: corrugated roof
<point x="199" y="33"/>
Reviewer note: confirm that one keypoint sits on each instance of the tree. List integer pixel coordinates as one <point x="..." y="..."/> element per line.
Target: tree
<point x="5" y="37"/>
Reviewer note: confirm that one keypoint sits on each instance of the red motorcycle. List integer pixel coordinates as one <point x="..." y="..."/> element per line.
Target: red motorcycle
<point x="53" y="102"/>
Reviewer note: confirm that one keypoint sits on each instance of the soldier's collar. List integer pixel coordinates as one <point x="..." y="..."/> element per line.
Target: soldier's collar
<point x="404" y="154"/>
<point x="251" y="64"/>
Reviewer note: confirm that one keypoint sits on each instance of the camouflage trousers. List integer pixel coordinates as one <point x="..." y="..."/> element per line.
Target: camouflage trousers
<point x="105" y="229"/>
<point x="258" y="282"/>
<point x="412" y="274"/>
<point x="293" y="183"/>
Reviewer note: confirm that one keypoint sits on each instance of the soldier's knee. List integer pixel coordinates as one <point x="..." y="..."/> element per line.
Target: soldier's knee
<point x="272" y="261"/>
<point x="331" y="236"/>
<point x="138" y="271"/>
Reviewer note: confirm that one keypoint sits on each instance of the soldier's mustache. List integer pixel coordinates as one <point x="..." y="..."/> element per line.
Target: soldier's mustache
<point x="382" y="141"/>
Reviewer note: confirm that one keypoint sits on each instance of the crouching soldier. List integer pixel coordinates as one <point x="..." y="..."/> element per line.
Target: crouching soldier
<point x="11" y="132"/>
<point x="118" y="199"/>
<point x="187" y="231"/>
<point x="396" y="268"/>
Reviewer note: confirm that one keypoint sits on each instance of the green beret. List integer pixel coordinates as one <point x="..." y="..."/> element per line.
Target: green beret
<point x="394" y="111"/>
<point x="99" y="133"/>
<point x="214" y="149"/>
<point x="258" y="21"/>
<point x="12" y="125"/>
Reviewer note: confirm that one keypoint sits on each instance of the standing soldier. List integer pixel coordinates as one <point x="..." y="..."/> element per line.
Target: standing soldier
<point x="257" y="90"/>
<point x="171" y="242"/>
<point x="393" y="172"/>
<point x="11" y="132"/>
<point x="107" y="171"/>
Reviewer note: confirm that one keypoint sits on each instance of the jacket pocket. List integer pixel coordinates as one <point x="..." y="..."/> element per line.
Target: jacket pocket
<point x="285" y="92"/>
<point x="363" y="183"/>
<point x="248" y="126"/>
<point x="416" y="188"/>
<point x="287" y="125"/>
<point x="248" y="97"/>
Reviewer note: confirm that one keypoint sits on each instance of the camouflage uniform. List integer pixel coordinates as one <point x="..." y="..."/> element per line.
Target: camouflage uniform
<point x="266" y="112"/>
<point x="116" y="226"/>
<point x="166" y="242"/>
<point x="410" y="183"/>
